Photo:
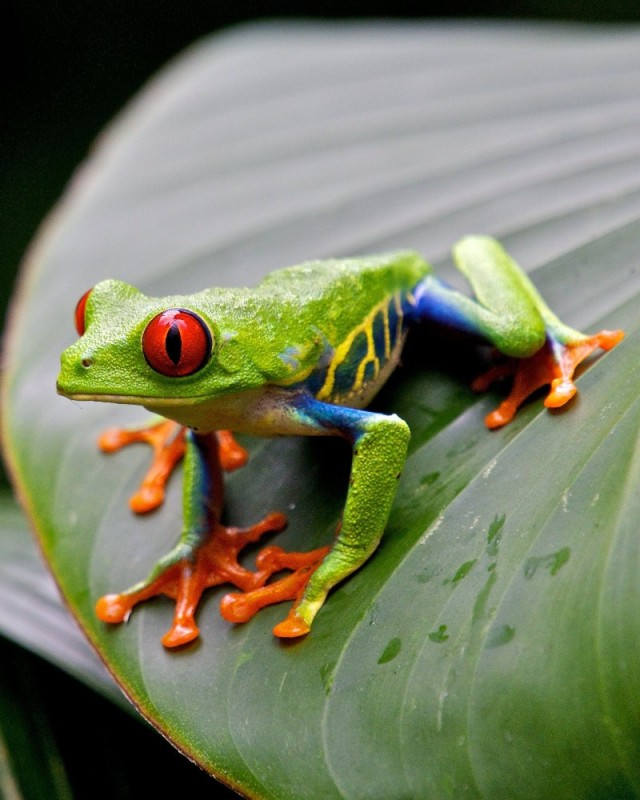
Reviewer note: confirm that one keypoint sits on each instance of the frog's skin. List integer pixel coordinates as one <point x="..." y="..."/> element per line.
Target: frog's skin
<point x="303" y="353"/>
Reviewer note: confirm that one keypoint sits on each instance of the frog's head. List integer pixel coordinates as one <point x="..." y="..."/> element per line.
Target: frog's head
<point x="138" y="349"/>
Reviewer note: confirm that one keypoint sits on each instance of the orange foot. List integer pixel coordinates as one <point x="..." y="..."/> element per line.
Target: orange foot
<point x="240" y="607"/>
<point x="166" y="439"/>
<point x="553" y="364"/>
<point x="186" y="573"/>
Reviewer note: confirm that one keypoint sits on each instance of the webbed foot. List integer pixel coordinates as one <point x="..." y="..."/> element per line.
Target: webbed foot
<point x="208" y="552"/>
<point x="554" y="364"/>
<point x="167" y="441"/>
<point x="186" y="572"/>
<point x="241" y="607"/>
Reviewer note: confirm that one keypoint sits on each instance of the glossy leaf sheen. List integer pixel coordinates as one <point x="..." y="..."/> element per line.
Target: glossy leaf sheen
<point x="490" y="649"/>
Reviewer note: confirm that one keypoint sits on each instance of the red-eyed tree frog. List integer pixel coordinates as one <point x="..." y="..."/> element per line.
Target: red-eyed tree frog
<point x="303" y="353"/>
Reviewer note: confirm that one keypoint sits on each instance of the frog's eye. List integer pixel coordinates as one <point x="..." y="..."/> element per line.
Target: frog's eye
<point x="81" y="324"/>
<point x="176" y="343"/>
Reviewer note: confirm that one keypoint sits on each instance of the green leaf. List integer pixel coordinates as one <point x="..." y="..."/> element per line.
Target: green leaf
<point x="489" y="649"/>
<point x="31" y="611"/>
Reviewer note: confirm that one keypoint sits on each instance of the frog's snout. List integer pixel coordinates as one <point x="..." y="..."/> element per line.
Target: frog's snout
<point x="73" y="370"/>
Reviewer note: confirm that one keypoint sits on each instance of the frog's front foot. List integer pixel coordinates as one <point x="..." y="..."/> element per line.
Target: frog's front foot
<point x="241" y="607"/>
<point x="188" y="570"/>
<point x="167" y="441"/>
<point x="554" y="364"/>
<point x="208" y="553"/>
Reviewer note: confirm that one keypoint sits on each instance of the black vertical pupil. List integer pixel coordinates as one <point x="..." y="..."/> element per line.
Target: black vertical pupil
<point x="173" y="343"/>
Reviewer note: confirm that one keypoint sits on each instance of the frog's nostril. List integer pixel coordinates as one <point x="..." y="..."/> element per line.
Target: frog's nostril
<point x="86" y="362"/>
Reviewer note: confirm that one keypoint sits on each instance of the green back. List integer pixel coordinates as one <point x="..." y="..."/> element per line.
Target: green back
<point x="295" y="314"/>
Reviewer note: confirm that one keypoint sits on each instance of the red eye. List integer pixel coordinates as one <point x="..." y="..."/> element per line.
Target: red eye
<point x="79" y="313"/>
<point x="176" y="343"/>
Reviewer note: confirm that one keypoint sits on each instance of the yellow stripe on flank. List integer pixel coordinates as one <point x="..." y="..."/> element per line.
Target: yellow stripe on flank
<point x="398" y="305"/>
<point x="369" y="357"/>
<point x="342" y="350"/>
<point x="387" y="337"/>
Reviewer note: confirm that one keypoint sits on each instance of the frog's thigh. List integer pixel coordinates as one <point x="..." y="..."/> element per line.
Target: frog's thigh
<point x="507" y="310"/>
<point x="379" y="451"/>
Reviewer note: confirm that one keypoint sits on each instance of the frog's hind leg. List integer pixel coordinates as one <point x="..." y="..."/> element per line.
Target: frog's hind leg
<point x="509" y="313"/>
<point x="206" y="554"/>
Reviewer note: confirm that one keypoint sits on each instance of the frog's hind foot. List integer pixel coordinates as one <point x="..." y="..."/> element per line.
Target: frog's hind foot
<point x="554" y="364"/>
<point x="186" y="572"/>
<point x="167" y="441"/>
<point x="242" y="606"/>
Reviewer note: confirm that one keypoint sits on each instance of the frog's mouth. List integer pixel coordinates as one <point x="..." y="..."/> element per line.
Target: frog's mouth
<point x="261" y="411"/>
<point x="192" y="412"/>
<point x="129" y="399"/>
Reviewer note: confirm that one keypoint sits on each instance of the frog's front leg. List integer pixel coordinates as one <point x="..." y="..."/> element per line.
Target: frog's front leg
<point x="167" y="441"/>
<point x="510" y="314"/>
<point x="206" y="554"/>
<point x="379" y="451"/>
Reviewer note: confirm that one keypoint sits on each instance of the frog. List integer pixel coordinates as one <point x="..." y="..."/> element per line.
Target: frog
<point x="303" y="353"/>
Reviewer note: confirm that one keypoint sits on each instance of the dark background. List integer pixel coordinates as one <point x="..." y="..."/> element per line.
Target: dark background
<point x="68" y="67"/>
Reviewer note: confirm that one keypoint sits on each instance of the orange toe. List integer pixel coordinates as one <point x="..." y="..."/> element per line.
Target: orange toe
<point x="291" y="627"/>
<point x="562" y="390"/>
<point x="180" y="634"/>
<point x="113" y="608"/>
